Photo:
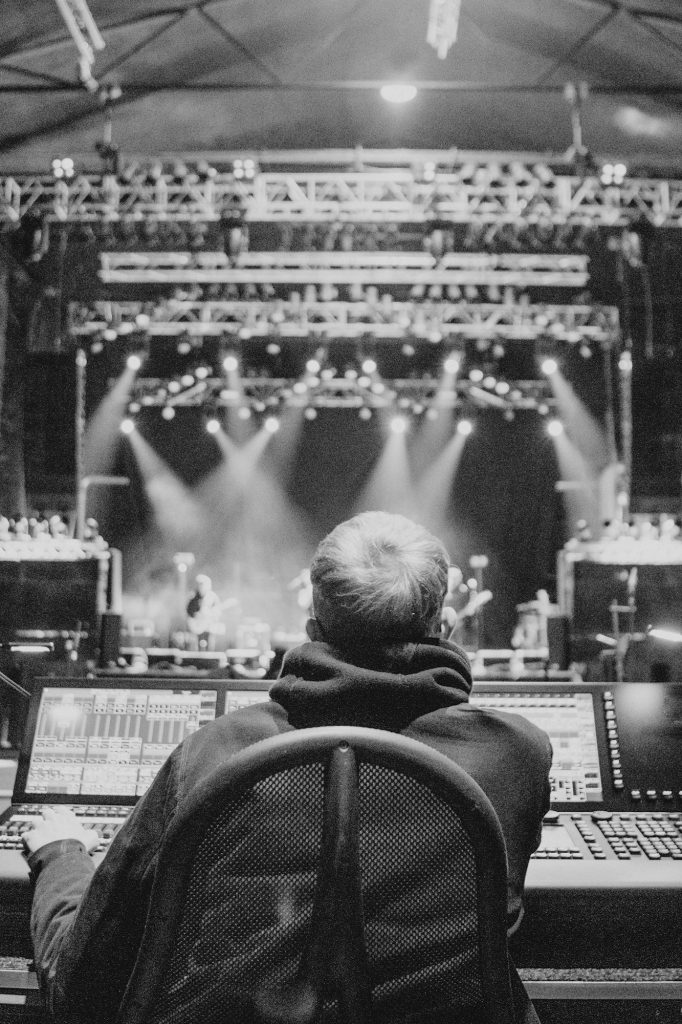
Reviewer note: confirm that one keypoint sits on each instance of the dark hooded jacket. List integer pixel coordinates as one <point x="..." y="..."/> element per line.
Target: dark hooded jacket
<point x="87" y="924"/>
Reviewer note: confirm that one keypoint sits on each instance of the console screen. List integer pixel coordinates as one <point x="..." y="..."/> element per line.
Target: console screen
<point x="568" y="719"/>
<point x="102" y="742"/>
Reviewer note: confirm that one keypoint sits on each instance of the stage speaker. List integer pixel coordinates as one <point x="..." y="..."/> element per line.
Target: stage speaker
<point x="559" y="641"/>
<point x="109" y="639"/>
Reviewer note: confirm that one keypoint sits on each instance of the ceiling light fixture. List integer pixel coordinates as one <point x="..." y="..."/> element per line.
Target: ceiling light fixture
<point x="398" y="92"/>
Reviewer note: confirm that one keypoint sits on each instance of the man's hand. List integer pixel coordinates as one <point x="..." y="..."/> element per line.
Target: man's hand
<point x="59" y="824"/>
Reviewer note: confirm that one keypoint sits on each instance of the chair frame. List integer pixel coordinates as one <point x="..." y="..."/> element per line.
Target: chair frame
<point x="337" y="900"/>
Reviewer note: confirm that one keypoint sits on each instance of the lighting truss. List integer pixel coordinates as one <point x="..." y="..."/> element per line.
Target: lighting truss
<point x="173" y="318"/>
<point x="268" y="393"/>
<point x="481" y="188"/>
<point x="346" y="268"/>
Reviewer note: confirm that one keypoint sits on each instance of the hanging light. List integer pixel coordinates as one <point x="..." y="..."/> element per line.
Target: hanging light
<point x="398" y="92"/>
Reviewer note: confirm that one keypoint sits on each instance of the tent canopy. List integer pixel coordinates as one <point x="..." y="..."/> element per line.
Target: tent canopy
<point x="230" y="75"/>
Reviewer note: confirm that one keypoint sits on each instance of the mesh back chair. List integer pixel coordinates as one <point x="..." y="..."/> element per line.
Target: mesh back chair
<point x="330" y="874"/>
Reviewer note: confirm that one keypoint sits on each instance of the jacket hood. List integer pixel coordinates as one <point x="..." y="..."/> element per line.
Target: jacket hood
<point x="381" y="688"/>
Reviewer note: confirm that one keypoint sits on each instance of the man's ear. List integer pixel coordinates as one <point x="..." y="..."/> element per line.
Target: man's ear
<point x="314" y="630"/>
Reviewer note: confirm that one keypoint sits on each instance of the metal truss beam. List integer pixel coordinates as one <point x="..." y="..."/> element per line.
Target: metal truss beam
<point x="346" y="320"/>
<point x="346" y="268"/>
<point x="409" y="395"/>
<point x="481" y="191"/>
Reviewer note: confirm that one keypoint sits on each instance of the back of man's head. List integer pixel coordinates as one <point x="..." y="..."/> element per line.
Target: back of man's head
<point x="378" y="578"/>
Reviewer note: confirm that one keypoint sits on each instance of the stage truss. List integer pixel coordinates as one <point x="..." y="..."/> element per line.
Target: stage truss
<point x="481" y="188"/>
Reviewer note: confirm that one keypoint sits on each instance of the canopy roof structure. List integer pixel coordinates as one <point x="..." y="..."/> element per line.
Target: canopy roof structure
<point x="207" y="76"/>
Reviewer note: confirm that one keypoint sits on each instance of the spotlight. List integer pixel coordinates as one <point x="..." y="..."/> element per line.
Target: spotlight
<point x="213" y="425"/>
<point x="432" y="413"/>
<point x="369" y="366"/>
<point x="96" y="347"/>
<point x="489" y="382"/>
<point x="133" y="362"/>
<point x="62" y="167"/>
<point x="127" y="425"/>
<point x="625" y="362"/>
<point x="202" y="372"/>
<point x="399" y="424"/>
<point x="398" y="92"/>
<point x="271" y="424"/>
<point x="143" y="321"/>
<point x="555" y="428"/>
<point x="365" y="413"/>
<point x="273" y="349"/>
<point x="168" y="412"/>
<point x="310" y="413"/>
<point x="464" y="427"/>
<point x="184" y="348"/>
<point x="109" y="334"/>
<point x="452" y="364"/>
<point x="502" y="388"/>
<point x="407" y="349"/>
<point x="549" y="366"/>
<point x="173" y="386"/>
<point x="476" y="376"/>
<point x="243" y="412"/>
<point x="230" y="363"/>
<point x="187" y="380"/>
<point x="313" y="366"/>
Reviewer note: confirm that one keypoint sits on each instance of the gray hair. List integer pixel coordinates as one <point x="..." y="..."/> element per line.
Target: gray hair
<point x="378" y="577"/>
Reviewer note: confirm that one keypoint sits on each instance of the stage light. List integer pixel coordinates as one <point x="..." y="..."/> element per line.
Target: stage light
<point x="452" y="364"/>
<point x="143" y="321"/>
<point x="273" y="349"/>
<point x="244" y="413"/>
<point x="173" y="386"/>
<point x="489" y="382"/>
<point x="555" y="428"/>
<point x="432" y="413"/>
<point x="184" y="348"/>
<point x="96" y="347"/>
<point x="369" y="366"/>
<point x="398" y="92"/>
<point x="310" y="413"/>
<point x="476" y="376"/>
<point x="213" y="425"/>
<point x="168" y="412"/>
<point x="672" y="636"/>
<point x="365" y="413"/>
<point x="399" y="424"/>
<point x="407" y="349"/>
<point x="110" y="334"/>
<point x="187" y="380"/>
<point x="313" y="366"/>
<point x="549" y="366"/>
<point x="502" y="387"/>
<point x="464" y="427"/>
<point x="230" y="363"/>
<point x="271" y="424"/>
<point x="202" y="372"/>
<point x="625" y="362"/>
<point x="127" y="425"/>
<point x="125" y="328"/>
<point x="62" y="167"/>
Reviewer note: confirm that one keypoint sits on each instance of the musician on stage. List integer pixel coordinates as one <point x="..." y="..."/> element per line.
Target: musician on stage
<point x="204" y="611"/>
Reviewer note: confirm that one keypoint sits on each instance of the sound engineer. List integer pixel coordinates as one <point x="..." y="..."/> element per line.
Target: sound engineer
<point x="374" y="659"/>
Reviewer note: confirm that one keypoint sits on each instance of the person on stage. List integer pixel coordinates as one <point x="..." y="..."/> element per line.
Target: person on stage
<point x="204" y="613"/>
<point x="375" y="659"/>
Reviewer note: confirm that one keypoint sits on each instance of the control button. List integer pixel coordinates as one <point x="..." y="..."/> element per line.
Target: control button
<point x="601" y="815"/>
<point x="667" y="794"/>
<point x="618" y="784"/>
<point x="551" y="818"/>
<point x="651" y="794"/>
<point x="636" y="794"/>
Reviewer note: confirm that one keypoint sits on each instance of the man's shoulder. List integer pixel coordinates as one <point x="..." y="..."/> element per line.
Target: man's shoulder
<point x="470" y="723"/>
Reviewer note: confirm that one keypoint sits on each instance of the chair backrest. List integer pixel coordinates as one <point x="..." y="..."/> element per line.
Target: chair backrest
<point x="329" y="874"/>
